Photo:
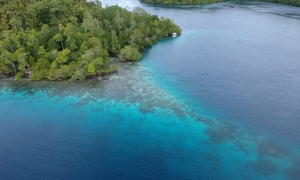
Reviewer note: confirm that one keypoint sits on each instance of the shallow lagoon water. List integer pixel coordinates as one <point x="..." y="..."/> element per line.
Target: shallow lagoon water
<point x="204" y="105"/>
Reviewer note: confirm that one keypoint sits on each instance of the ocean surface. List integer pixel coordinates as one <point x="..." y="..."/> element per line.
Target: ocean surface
<point x="220" y="101"/>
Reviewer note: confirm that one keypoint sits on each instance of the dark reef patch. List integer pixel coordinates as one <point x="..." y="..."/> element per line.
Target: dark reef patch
<point x="265" y="167"/>
<point x="222" y="132"/>
<point x="272" y="149"/>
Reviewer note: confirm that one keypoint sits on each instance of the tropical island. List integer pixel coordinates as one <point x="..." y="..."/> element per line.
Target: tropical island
<point x="73" y="39"/>
<point x="192" y="2"/>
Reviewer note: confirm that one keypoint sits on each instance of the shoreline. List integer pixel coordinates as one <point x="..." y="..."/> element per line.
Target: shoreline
<point x="115" y="62"/>
<point x="290" y="3"/>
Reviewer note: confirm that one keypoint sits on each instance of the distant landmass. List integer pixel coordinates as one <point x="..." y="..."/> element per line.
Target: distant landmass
<point x="191" y="2"/>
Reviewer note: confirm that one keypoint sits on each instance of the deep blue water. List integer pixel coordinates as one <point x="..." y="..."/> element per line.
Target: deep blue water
<point x="220" y="101"/>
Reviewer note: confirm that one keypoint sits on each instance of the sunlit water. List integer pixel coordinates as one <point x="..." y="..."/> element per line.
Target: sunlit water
<point x="220" y="101"/>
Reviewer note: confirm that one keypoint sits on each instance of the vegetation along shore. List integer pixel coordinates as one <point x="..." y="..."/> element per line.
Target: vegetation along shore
<point x="73" y="39"/>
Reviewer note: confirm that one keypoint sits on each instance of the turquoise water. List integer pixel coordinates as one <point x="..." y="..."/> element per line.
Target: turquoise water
<point x="218" y="102"/>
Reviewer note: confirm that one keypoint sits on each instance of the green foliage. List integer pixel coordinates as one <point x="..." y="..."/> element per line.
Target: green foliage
<point x="42" y="51"/>
<point x="288" y="2"/>
<point x="41" y="68"/>
<point x="181" y="2"/>
<point x="91" y="69"/>
<point x="130" y="53"/>
<point x="72" y="39"/>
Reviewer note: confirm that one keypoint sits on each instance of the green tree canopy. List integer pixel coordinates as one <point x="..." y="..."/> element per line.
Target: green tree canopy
<point x="72" y="39"/>
<point x="130" y="53"/>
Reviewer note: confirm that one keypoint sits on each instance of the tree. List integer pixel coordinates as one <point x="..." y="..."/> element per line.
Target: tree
<point x="129" y="53"/>
<point x="70" y="34"/>
<point x="114" y="42"/>
<point x="91" y="69"/>
<point x="59" y="67"/>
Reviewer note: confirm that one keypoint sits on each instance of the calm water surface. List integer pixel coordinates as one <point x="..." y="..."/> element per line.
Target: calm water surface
<point x="220" y="101"/>
<point x="241" y="61"/>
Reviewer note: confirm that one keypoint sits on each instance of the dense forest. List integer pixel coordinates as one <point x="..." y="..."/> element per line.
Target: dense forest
<point x="288" y="2"/>
<point x="181" y="2"/>
<point x="187" y="2"/>
<point x="72" y="39"/>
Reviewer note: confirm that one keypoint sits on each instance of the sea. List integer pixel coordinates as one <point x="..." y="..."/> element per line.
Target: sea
<point x="219" y="101"/>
